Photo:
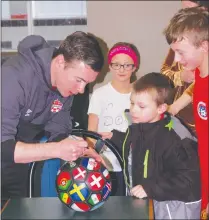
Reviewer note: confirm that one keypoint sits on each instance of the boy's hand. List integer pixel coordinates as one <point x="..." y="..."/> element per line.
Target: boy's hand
<point x="106" y="135"/>
<point x="90" y="152"/>
<point x="138" y="192"/>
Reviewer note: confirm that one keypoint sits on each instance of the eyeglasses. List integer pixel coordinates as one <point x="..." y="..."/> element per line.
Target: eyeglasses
<point x="117" y="66"/>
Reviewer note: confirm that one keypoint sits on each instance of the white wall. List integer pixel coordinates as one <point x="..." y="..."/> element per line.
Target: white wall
<point x="138" y="22"/>
<point x="61" y="9"/>
<point x="5" y="10"/>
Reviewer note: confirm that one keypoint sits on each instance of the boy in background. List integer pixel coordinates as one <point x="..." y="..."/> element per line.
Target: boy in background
<point x="187" y="34"/>
<point x="182" y="78"/>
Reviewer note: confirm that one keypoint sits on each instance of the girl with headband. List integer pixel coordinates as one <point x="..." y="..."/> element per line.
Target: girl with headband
<point x="108" y="103"/>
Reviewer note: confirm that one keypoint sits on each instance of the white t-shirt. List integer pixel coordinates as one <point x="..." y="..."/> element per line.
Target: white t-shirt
<point x="109" y="105"/>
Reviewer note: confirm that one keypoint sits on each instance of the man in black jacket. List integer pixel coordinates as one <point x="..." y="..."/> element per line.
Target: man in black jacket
<point x="38" y="85"/>
<point x="159" y="153"/>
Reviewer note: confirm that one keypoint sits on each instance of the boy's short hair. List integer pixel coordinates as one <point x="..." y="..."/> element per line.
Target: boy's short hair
<point x="161" y="87"/>
<point x="190" y="22"/>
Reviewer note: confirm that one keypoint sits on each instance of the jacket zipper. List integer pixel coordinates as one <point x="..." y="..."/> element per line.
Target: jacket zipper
<point x="124" y="162"/>
<point x="146" y="163"/>
<point x="146" y="157"/>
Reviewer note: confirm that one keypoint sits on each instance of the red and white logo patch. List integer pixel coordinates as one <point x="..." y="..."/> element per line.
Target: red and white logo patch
<point x="95" y="181"/>
<point x="56" y="106"/>
<point x="202" y="110"/>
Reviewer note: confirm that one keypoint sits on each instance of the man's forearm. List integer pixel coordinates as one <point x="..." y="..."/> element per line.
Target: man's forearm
<point x="26" y="152"/>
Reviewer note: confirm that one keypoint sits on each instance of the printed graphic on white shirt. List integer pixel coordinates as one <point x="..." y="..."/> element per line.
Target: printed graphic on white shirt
<point x="109" y="105"/>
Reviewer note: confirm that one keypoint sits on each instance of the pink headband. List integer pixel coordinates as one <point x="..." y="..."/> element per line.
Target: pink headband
<point x="123" y="49"/>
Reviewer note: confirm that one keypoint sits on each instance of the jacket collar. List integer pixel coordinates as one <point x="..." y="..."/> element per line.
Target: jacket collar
<point x="146" y="127"/>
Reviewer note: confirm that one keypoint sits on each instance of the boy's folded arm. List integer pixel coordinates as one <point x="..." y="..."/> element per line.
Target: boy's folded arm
<point x="180" y="181"/>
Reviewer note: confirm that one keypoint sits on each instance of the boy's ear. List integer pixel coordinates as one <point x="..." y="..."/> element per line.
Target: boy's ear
<point x="162" y="108"/>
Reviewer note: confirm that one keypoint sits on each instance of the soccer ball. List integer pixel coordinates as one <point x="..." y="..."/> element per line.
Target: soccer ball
<point x="83" y="185"/>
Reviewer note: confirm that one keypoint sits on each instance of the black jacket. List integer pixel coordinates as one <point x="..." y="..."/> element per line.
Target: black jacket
<point x="30" y="107"/>
<point x="29" y="102"/>
<point x="164" y="159"/>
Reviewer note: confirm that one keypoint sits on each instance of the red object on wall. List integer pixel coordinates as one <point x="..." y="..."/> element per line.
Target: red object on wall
<point x="19" y="16"/>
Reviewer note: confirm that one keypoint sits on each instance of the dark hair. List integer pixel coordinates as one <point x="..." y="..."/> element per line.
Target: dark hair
<point x="192" y="22"/>
<point x="160" y="85"/>
<point x="83" y="47"/>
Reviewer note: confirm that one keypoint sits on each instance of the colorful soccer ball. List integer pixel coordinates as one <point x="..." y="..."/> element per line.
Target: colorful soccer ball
<point x="83" y="185"/>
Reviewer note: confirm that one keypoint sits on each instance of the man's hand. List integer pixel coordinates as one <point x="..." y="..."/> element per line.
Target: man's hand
<point x="187" y="76"/>
<point x="71" y="149"/>
<point x="138" y="192"/>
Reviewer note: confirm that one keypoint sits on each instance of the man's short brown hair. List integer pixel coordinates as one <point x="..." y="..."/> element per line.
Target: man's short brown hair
<point x="189" y="22"/>
<point x="81" y="46"/>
